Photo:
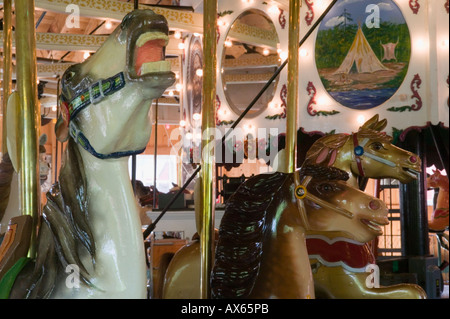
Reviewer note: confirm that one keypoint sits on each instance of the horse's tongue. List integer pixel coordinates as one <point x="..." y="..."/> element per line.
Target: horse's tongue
<point x="152" y="51"/>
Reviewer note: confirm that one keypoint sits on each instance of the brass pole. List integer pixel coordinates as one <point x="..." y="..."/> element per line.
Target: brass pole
<point x="208" y="161"/>
<point x="29" y="115"/>
<point x="293" y="80"/>
<point x="7" y="64"/>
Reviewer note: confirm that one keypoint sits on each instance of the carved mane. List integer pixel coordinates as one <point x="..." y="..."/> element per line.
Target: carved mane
<point x="245" y="225"/>
<point x="64" y="232"/>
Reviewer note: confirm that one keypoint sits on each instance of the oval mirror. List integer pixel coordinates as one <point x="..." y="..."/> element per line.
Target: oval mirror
<point x="249" y="60"/>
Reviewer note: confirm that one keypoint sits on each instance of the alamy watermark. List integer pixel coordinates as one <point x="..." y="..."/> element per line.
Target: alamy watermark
<point x="73" y="19"/>
<point x="73" y="277"/>
<point x="239" y="143"/>
<point x="373" y="280"/>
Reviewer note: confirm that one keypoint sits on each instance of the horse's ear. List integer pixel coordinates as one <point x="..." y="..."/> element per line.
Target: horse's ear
<point x="372" y="123"/>
<point x="381" y="125"/>
<point x="62" y="125"/>
<point x="62" y="130"/>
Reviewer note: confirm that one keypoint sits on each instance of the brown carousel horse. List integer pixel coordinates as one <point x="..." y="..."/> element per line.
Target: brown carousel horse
<point x="438" y="223"/>
<point x="439" y="218"/>
<point x="261" y="250"/>
<point x="338" y="262"/>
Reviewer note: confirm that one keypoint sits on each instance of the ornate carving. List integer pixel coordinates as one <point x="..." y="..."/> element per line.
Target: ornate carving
<point x="282" y="19"/>
<point x="310" y="14"/>
<point x="312" y="91"/>
<point x="283" y="97"/>
<point x="414" y="5"/>
<point x="415" y="86"/>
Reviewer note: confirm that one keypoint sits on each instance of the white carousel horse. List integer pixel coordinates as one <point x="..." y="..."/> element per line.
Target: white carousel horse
<point x="91" y="221"/>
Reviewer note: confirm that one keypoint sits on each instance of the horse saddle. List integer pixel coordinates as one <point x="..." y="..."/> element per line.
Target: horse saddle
<point x="14" y="250"/>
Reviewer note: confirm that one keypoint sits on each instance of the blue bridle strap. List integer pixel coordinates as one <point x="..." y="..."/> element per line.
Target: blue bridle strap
<point x="82" y="140"/>
<point x="93" y="95"/>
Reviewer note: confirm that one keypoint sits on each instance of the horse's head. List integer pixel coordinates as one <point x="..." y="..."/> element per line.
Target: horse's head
<point x="331" y="205"/>
<point x="367" y="153"/>
<point x="375" y="156"/>
<point x="437" y="180"/>
<point x="107" y="97"/>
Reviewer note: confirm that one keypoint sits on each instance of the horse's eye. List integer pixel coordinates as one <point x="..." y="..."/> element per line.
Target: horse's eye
<point x="326" y="188"/>
<point x="377" y="146"/>
<point x="69" y="75"/>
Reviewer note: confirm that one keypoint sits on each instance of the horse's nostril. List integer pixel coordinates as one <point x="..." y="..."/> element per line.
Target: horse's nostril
<point x="413" y="159"/>
<point x="374" y="205"/>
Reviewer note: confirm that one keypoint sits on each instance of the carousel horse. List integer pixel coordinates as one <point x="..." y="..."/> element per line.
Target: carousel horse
<point x="261" y="248"/>
<point x="438" y="223"/>
<point x="337" y="260"/>
<point x="90" y="243"/>
<point x="439" y="219"/>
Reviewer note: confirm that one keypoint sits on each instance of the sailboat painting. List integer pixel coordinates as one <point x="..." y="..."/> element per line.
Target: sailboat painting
<point x="363" y="50"/>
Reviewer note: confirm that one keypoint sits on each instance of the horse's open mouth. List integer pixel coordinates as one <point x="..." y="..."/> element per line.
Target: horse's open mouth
<point x="411" y="172"/>
<point x="375" y="225"/>
<point x="150" y="54"/>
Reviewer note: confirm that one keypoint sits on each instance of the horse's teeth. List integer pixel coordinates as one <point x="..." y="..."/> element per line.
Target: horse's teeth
<point x="149" y="36"/>
<point x="153" y="67"/>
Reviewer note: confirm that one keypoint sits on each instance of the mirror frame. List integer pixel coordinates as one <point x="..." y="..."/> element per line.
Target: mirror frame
<point x="228" y="18"/>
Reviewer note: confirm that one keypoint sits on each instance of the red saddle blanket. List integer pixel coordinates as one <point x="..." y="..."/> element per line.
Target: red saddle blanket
<point x="337" y="252"/>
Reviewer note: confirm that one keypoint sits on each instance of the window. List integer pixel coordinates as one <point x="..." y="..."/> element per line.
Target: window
<point x="166" y="171"/>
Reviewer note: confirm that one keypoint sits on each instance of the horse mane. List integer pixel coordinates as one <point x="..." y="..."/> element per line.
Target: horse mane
<point x="64" y="233"/>
<point x="324" y="150"/>
<point x="241" y="235"/>
<point x="6" y="174"/>
<point x="245" y="224"/>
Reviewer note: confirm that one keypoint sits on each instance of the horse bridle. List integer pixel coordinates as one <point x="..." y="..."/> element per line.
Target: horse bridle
<point x="91" y="96"/>
<point x="301" y="193"/>
<point x="359" y="150"/>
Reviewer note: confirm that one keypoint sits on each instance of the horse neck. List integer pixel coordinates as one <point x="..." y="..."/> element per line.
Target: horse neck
<point x="344" y="162"/>
<point x="285" y="268"/>
<point x="116" y="228"/>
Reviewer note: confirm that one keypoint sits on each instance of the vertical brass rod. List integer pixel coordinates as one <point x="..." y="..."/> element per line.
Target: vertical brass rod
<point x="293" y="80"/>
<point x="29" y="115"/>
<point x="208" y="127"/>
<point x="7" y="64"/>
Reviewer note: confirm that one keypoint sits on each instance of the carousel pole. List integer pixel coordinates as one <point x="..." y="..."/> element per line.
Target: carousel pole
<point x="208" y="161"/>
<point x="293" y="80"/>
<point x="7" y="64"/>
<point x="28" y="115"/>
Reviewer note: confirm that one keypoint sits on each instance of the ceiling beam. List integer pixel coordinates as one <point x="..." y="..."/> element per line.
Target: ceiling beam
<point x="116" y="10"/>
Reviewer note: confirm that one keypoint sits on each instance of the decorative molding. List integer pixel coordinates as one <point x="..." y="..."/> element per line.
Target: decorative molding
<point x="116" y="10"/>
<point x="310" y="13"/>
<point x="254" y="59"/>
<point x="65" y="41"/>
<point x="48" y="70"/>
<point x="283" y="97"/>
<point x="414" y="5"/>
<point x="250" y="34"/>
<point x="247" y="78"/>
<point x="282" y="19"/>
<point x="312" y="91"/>
<point x="415" y="86"/>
